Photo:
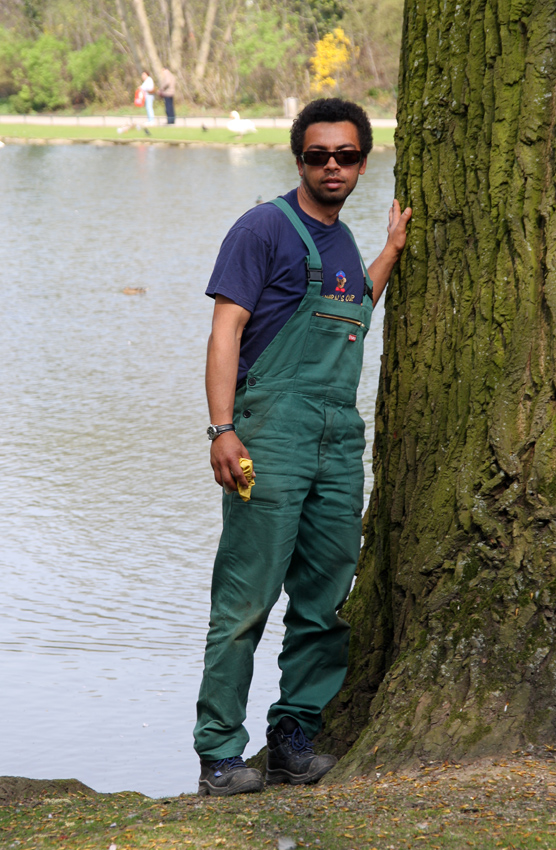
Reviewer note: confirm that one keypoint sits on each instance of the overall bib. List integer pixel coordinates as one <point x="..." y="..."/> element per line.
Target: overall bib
<point x="296" y="415"/>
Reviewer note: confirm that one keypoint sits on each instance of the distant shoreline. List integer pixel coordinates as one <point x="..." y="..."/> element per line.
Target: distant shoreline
<point x="180" y="143"/>
<point x="132" y="129"/>
<point x="193" y="121"/>
<point x="164" y="143"/>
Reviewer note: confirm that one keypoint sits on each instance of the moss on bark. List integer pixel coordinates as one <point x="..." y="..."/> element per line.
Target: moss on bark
<point x="453" y="612"/>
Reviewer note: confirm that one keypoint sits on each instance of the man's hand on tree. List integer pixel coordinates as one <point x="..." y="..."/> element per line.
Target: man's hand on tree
<point x="397" y="227"/>
<point x="225" y="453"/>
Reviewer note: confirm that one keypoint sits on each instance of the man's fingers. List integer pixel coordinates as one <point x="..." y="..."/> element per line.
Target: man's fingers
<point x="226" y="451"/>
<point x="404" y="218"/>
<point x="227" y="474"/>
<point x="222" y="475"/>
<point x="396" y="217"/>
<point x="228" y="478"/>
<point x="238" y="472"/>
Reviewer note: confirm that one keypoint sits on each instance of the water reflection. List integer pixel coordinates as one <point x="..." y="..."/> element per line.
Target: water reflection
<point x="110" y="519"/>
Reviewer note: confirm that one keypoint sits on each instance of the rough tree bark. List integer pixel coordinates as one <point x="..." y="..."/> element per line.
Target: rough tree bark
<point x="453" y="614"/>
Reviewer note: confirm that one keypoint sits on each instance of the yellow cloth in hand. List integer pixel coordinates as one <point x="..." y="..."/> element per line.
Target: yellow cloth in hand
<point x="247" y="467"/>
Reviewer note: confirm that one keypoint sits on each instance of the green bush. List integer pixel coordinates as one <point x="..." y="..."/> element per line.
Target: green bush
<point x="11" y="46"/>
<point x="266" y="46"/>
<point x="40" y="79"/>
<point x="90" y="69"/>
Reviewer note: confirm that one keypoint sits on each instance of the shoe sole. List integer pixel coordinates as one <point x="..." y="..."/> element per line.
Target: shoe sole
<point x="250" y="786"/>
<point x="284" y="777"/>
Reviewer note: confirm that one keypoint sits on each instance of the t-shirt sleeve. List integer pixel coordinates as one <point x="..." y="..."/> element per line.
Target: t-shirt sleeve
<point x="241" y="268"/>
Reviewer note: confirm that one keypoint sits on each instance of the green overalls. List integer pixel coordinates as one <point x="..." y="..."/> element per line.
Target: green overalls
<point x="296" y="415"/>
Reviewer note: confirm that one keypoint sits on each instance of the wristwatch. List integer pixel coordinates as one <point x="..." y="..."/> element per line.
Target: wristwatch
<point x="214" y="431"/>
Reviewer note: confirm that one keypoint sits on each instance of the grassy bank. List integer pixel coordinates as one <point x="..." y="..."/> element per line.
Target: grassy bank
<point x="173" y="135"/>
<point x="506" y="804"/>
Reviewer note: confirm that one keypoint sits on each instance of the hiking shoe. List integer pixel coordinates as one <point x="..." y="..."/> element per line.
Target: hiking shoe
<point x="228" y="776"/>
<point x="290" y="756"/>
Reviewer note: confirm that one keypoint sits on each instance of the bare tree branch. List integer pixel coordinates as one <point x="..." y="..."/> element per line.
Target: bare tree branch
<point x="134" y="48"/>
<point x="152" y="53"/>
<point x="200" y="68"/>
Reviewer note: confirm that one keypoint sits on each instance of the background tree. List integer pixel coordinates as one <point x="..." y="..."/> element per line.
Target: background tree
<point x="224" y="53"/>
<point x="453" y="613"/>
<point x="317" y="17"/>
<point x="375" y="27"/>
<point x="270" y="52"/>
<point x="329" y="63"/>
<point x="40" y="78"/>
<point x="56" y="53"/>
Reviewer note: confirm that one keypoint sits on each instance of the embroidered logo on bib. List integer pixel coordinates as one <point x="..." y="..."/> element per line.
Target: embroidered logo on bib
<point x="341" y="281"/>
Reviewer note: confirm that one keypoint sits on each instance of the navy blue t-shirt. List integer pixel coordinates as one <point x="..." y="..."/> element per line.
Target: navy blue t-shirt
<point x="261" y="266"/>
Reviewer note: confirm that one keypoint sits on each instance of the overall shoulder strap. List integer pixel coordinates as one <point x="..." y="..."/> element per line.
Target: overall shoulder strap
<point x="314" y="262"/>
<point x="368" y="281"/>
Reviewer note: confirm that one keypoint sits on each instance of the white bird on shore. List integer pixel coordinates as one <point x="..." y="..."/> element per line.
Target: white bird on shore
<point x="2" y="145"/>
<point x="240" y="126"/>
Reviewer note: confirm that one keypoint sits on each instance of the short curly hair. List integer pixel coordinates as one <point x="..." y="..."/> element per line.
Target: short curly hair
<point x="331" y="109"/>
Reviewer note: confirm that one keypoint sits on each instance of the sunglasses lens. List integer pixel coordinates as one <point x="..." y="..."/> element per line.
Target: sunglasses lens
<point x="348" y="157"/>
<point x="315" y="157"/>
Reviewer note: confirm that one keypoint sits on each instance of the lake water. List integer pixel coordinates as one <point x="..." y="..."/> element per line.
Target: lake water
<point x="110" y="517"/>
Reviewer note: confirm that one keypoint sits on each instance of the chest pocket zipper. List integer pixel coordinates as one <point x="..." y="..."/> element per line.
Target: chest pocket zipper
<point x="339" y="319"/>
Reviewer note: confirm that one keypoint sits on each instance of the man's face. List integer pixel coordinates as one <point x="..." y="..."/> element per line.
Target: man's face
<point x="331" y="183"/>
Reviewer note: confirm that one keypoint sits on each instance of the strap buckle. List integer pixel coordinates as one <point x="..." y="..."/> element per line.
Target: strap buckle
<point x="314" y="275"/>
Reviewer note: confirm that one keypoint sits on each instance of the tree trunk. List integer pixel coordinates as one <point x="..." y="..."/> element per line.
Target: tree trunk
<point x="191" y="37"/>
<point x="176" y="39"/>
<point x="453" y="613"/>
<point x="152" y="53"/>
<point x="201" y="66"/>
<point x="372" y="63"/>
<point x="135" y="50"/>
<point x="218" y="59"/>
<point x="165" y="13"/>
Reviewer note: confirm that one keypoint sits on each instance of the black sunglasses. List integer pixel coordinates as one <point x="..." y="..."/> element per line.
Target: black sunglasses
<point x="344" y="157"/>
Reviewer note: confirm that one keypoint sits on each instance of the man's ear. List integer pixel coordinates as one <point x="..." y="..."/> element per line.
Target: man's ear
<point x="299" y="162"/>
<point x="363" y="165"/>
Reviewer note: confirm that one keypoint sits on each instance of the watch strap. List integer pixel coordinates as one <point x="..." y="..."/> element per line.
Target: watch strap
<point x="214" y="431"/>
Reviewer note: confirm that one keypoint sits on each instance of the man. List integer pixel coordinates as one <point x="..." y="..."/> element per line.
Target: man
<point x="283" y="365"/>
<point x="167" y="91"/>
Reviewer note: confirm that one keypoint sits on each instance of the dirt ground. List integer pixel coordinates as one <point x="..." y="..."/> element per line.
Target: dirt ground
<point x="508" y="804"/>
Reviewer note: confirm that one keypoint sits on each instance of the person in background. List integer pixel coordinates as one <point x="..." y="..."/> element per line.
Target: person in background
<point x="167" y="90"/>
<point x="148" y="87"/>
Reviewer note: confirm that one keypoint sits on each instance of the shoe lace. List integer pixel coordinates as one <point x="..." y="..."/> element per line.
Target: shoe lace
<point x="300" y="741"/>
<point x="230" y="763"/>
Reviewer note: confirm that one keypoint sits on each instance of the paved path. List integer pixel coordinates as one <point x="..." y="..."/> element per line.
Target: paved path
<point x="122" y="120"/>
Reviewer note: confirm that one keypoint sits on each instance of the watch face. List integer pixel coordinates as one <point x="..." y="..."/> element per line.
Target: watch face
<point x="214" y="431"/>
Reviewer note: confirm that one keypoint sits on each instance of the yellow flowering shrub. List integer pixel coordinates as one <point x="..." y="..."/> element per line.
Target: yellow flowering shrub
<point x="332" y="55"/>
